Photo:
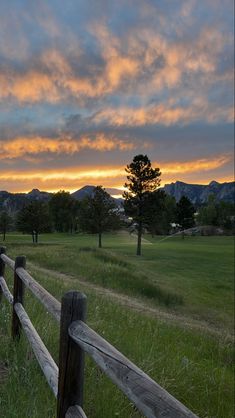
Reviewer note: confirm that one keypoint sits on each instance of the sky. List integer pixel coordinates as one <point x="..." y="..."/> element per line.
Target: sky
<point x="87" y="85"/>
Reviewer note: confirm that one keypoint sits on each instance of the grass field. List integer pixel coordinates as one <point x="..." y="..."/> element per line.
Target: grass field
<point x="170" y="311"/>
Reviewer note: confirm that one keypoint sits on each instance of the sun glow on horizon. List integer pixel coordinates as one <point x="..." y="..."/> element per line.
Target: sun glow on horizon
<point x="74" y="178"/>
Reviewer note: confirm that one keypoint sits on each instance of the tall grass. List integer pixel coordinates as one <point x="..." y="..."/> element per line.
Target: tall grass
<point x="116" y="273"/>
<point x="192" y="365"/>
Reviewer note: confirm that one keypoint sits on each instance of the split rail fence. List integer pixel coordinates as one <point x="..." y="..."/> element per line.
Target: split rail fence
<point x="76" y="338"/>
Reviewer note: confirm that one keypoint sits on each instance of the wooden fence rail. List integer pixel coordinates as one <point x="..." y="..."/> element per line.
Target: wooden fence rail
<point x="76" y="339"/>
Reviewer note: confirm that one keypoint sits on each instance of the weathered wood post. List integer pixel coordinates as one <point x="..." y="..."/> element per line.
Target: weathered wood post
<point x="2" y="267"/>
<point x="18" y="296"/>
<point x="71" y="357"/>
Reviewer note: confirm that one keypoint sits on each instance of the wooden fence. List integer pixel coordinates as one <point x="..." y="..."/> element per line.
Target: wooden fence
<point x="76" y="339"/>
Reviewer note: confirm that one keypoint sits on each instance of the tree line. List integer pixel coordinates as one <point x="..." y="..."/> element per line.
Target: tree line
<point x="95" y="214"/>
<point x="146" y="208"/>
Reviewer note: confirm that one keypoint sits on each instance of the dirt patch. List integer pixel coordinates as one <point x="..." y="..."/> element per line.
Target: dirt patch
<point x="135" y="304"/>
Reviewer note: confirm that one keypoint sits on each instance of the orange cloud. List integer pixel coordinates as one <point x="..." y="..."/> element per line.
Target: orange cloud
<point x="52" y="83"/>
<point x="57" y="80"/>
<point x="195" y="165"/>
<point x="69" y="179"/>
<point x="18" y="147"/>
<point x="30" y="87"/>
<point x="118" y="68"/>
<point x="70" y="174"/>
<point x="163" y="114"/>
<point x="144" y="60"/>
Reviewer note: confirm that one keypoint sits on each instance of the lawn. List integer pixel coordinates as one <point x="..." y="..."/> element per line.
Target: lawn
<point x="187" y="348"/>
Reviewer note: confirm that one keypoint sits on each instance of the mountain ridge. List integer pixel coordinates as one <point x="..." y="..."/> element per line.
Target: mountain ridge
<point x="197" y="193"/>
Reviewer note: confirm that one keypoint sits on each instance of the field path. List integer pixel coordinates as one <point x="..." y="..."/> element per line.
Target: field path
<point x="137" y="305"/>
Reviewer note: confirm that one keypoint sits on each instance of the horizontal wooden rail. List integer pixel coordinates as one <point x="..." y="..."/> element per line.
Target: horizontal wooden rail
<point x="8" y="261"/>
<point x="6" y="290"/>
<point x="43" y="356"/>
<point x="51" y="304"/>
<point x="150" y="398"/>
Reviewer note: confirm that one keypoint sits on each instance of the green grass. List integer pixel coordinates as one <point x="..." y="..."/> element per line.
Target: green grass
<point x="196" y="274"/>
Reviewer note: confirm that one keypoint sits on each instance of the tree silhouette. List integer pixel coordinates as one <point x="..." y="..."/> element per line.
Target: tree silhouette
<point x="185" y="213"/>
<point x="97" y="213"/>
<point x="34" y="218"/>
<point x="5" y="223"/>
<point x="63" y="210"/>
<point x="142" y="180"/>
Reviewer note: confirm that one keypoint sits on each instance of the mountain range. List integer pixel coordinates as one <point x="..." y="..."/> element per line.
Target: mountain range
<point x="197" y="193"/>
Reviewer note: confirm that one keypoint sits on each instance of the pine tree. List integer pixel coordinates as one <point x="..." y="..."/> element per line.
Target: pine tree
<point x="142" y="180"/>
<point x="185" y="213"/>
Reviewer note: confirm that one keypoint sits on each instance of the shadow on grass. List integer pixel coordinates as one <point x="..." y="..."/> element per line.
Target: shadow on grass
<point x="123" y="276"/>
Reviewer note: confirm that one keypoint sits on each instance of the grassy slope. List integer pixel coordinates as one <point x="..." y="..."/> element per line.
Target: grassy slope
<point x="193" y="366"/>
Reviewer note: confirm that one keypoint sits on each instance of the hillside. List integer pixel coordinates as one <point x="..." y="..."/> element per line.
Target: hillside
<point x="12" y="202"/>
<point x="83" y="192"/>
<point x="197" y="193"/>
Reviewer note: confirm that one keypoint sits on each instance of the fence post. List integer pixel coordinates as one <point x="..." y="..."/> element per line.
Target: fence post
<point x="18" y="296"/>
<point x="71" y="357"/>
<point x="2" y="267"/>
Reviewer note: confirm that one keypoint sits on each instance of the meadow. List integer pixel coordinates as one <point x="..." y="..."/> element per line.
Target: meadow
<point x="170" y="311"/>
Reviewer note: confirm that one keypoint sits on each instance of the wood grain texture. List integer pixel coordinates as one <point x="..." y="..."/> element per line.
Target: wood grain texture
<point x="75" y="412"/>
<point x="46" y="362"/>
<point x="51" y="304"/>
<point x="71" y="357"/>
<point x="5" y="290"/>
<point x="149" y="397"/>
<point x="8" y="261"/>
<point x="18" y="296"/>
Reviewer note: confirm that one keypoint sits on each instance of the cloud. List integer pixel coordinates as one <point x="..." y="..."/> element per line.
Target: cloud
<point x="164" y="114"/>
<point x="193" y="166"/>
<point x="70" y="179"/>
<point x="141" y="62"/>
<point x="31" y="87"/>
<point x="21" y="147"/>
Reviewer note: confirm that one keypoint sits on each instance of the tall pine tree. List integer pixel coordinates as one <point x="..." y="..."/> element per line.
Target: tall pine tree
<point x="142" y="180"/>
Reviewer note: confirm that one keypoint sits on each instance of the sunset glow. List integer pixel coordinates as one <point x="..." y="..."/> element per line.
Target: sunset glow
<point x="84" y="89"/>
<point x="74" y="178"/>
